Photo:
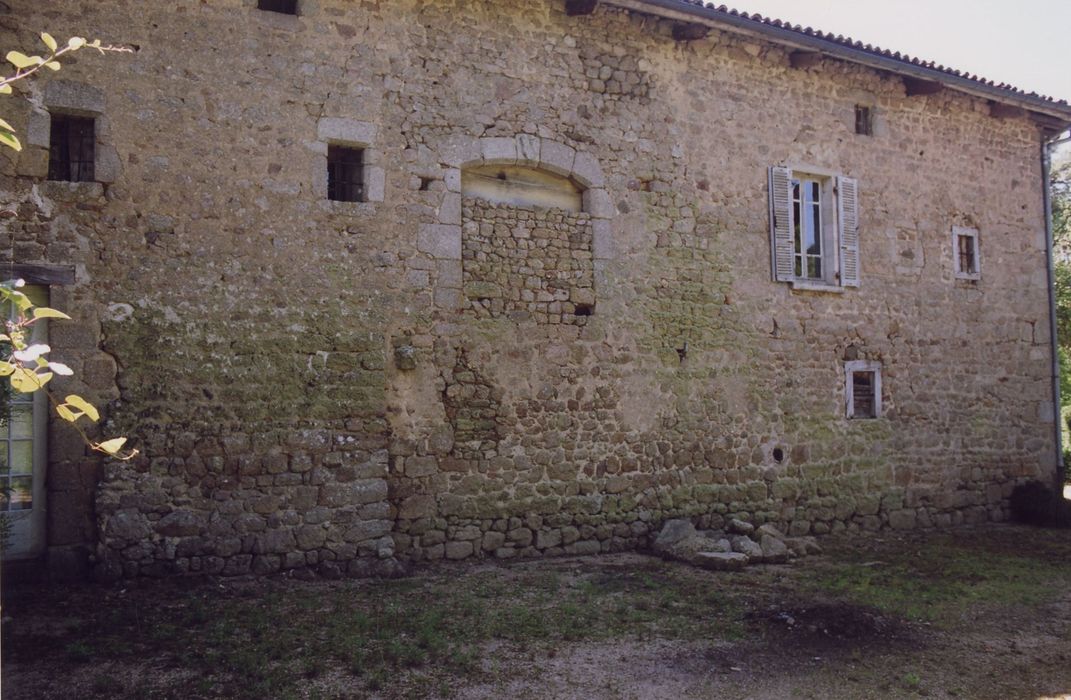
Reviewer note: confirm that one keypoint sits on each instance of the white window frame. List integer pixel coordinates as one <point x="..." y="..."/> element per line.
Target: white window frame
<point x="972" y="233"/>
<point x="850" y="368"/>
<point x="838" y="205"/>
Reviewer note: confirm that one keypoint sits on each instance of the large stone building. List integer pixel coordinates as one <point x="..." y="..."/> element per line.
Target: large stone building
<point x="370" y="281"/>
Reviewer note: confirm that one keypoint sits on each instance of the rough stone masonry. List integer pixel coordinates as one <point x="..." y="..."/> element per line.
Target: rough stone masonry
<point x="329" y="388"/>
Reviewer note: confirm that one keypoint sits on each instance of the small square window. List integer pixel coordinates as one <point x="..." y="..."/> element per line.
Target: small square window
<point x="863" y="389"/>
<point x="71" y="148"/>
<point x="966" y="256"/>
<point x="286" y="7"/>
<point x="864" y="120"/>
<point x="345" y="174"/>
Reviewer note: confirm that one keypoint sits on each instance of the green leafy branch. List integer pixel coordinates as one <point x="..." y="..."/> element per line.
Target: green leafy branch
<point x="25" y="66"/>
<point x="28" y="368"/>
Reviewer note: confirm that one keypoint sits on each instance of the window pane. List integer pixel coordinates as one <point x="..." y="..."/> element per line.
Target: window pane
<point x="814" y="230"/>
<point x="21" y="421"/>
<point x="814" y="267"/>
<point x="796" y="227"/>
<point x="22" y="457"/>
<point x="3" y="458"/>
<point x="20" y="496"/>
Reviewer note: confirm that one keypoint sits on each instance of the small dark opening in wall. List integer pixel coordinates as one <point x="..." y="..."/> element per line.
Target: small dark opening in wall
<point x="863" y="385"/>
<point x="286" y="7"/>
<point x="778" y="455"/>
<point x="864" y="120"/>
<point x="345" y="174"/>
<point x="425" y="183"/>
<point x="584" y="310"/>
<point x="71" y="148"/>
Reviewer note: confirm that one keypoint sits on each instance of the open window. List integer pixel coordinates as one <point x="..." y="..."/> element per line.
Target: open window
<point x="814" y="232"/>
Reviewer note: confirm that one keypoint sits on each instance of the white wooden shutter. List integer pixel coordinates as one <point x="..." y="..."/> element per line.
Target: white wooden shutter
<point x="848" y="225"/>
<point x="782" y="249"/>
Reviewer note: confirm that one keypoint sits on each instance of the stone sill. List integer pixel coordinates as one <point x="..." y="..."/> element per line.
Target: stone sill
<point x="801" y="286"/>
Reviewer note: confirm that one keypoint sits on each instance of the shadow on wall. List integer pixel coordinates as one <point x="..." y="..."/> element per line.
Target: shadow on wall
<point x="1034" y="503"/>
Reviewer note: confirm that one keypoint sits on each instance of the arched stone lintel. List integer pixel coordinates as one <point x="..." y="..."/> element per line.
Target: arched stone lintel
<point x="531" y="151"/>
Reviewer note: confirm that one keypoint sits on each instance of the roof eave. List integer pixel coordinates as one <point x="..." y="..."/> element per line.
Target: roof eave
<point x="685" y="12"/>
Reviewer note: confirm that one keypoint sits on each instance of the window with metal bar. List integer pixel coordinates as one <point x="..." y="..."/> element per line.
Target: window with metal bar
<point x="345" y="174"/>
<point x="864" y="120"/>
<point x="286" y="7"/>
<point x="71" y="148"/>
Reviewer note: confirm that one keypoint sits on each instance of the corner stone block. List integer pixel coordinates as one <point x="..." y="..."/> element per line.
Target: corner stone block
<point x="107" y="165"/>
<point x="450" y="274"/>
<point x="65" y="94"/>
<point x="346" y="130"/>
<point x="586" y="169"/>
<point x="528" y="148"/>
<point x="38" y="128"/>
<point x="459" y="151"/>
<point x="450" y="209"/>
<point x="602" y="239"/>
<point x="452" y="179"/>
<point x="499" y="150"/>
<point x="557" y="157"/>
<point x="440" y="241"/>
<point x="374" y="184"/>
<point x="597" y="203"/>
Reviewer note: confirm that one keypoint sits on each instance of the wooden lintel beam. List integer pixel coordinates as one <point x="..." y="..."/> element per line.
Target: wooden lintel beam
<point x="1003" y="111"/>
<point x="688" y="31"/>
<point x="917" y="86"/>
<point x="38" y="274"/>
<point x="804" y="59"/>
<point x="577" y="8"/>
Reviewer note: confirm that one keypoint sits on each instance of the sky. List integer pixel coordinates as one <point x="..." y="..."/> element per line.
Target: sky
<point x="1021" y="42"/>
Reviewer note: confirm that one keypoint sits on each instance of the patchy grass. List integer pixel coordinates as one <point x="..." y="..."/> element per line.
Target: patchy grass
<point x="950" y="576"/>
<point x="845" y="624"/>
<point x="260" y="643"/>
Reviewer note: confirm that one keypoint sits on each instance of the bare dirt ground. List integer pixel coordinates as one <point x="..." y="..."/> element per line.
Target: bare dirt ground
<point x="968" y="613"/>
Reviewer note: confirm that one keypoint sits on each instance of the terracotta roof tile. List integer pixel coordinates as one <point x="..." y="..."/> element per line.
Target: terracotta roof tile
<point x="764" y="21"/>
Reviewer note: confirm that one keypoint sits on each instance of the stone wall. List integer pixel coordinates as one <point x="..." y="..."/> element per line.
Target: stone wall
<point x="527" y="264"/>
<point x="326" y="387"/>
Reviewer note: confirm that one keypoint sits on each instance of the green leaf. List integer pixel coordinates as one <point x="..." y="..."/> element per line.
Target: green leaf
<point x="27" y="382"/>
<point x="67" y="414"/>
<point x="53" y="65"/>
<point x="6" y="126"/>
<point x="49" y="41"/>
<point x="21" y="60"/>
<point x="5" y="89"/>
<point x="60" y="369"/>
<point x="8" y="139"/>
<point x="6" y="368"/>
<point x="75" y="43"/>
<point x="112" y="446"/>
<point x="45" y="312"/>
<point x="84" y="406"/>
<point x="22" y="302"/>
